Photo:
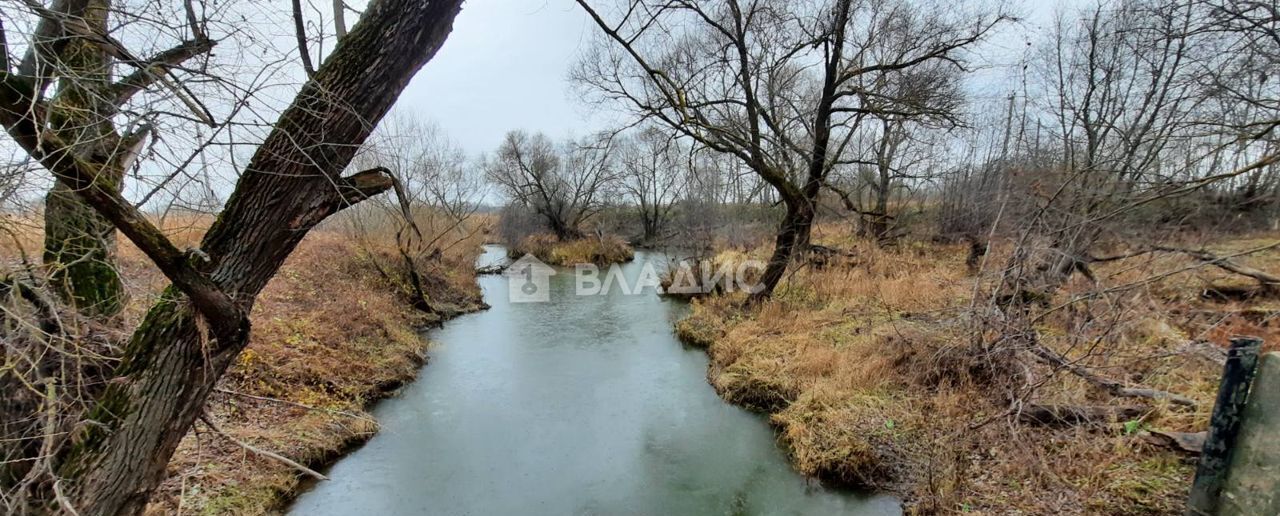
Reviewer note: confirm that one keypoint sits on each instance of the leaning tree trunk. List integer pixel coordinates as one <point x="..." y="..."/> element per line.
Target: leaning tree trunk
<point x="792" y="237"/>
<point x="79" y="244"/>
<point x="178" y="352"/>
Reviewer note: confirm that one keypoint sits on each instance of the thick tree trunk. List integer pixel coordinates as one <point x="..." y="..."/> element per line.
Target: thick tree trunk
<point x="793" y="235"/>
<point x="879" y="223"/>
<point x="564" y="231"/>
<point x="79" y="248"/>
<point x="291" y="184"/>
<point x="79" y="244"/>
<point x="649" y="223"/>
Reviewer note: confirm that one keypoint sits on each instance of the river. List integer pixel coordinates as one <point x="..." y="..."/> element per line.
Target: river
<point x="582" y="405"/>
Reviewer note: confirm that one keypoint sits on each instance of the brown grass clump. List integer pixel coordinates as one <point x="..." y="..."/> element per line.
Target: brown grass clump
<point x="601" y="250"/>
<point x="869" y="371"/>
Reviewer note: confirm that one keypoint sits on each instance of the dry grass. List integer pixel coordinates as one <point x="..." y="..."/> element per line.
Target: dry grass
<point x="330" y="332"/>
<point x="602" y="250"/>
<point x="864" y="369"/>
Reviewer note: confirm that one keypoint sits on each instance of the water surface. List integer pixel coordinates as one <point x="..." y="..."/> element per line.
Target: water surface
<point x="582" y="405"/>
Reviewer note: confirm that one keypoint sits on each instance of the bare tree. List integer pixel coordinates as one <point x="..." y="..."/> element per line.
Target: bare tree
<point x="563" y="185"/>
<point x="652" y="165"/>
<point x="1245" y="35"/>
<point x="887" y="158"/>
<point x="1131" y="121"/>
<point x="1120" y="95"/>
<point x="780" y="85"/>
<point x="438" y="190"/>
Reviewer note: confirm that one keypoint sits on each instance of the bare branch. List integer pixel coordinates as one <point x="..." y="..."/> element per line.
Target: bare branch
<point x="225" y="316"/>
<point x="300" y="32"/>
<point x="365" y="184"/>
<point x="157" y="67"/>
<point x="259" y="451"/>
<point x="339" y="19"/>
<point x="1115" y="388"/>
<point x="4" y="48"/>
<point x="1267" y="280"/>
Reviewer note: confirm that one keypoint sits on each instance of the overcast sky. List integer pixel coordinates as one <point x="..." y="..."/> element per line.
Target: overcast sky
<point x="505" y="66"/>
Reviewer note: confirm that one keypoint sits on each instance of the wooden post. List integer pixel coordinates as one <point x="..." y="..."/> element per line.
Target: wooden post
<point x="1224" y="425"/>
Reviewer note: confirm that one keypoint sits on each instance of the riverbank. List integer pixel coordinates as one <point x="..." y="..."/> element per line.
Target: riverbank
<point x="331" y="335"/>
<point x="862" y="368"/>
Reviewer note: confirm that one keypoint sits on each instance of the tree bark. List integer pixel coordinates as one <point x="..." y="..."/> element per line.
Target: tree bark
<point x="793" y="236"/>
<point x="80" y="244"/>
<point x="292" y="183"/>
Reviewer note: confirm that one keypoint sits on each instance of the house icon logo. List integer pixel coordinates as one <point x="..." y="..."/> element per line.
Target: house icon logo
<point x="529" y="280"/>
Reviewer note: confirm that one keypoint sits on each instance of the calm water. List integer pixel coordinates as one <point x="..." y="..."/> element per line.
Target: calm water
<point x="583" y="405"/>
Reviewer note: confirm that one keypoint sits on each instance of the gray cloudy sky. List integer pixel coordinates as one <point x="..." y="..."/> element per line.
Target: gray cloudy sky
<point x="505" y="67"/>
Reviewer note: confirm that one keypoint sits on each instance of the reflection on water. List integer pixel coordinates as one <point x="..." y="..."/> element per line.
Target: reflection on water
<point x="583" y="405"/>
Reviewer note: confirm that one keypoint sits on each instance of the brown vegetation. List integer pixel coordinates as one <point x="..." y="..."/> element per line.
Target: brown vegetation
<point x="866" y="368"/>
<point x="599" y="250"/>
<point x="331" y="335"/>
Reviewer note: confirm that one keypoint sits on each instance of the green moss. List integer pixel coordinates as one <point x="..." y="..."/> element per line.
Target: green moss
<point x="167" y="313"/>
<point x="80" y="245"/>
<point x="238" y="499"/>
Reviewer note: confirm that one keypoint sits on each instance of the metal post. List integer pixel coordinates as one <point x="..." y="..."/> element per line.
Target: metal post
<point x="1224" y="425"/>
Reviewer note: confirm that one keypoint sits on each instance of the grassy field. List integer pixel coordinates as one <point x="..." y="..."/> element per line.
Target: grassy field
<point x="867" y="368"/>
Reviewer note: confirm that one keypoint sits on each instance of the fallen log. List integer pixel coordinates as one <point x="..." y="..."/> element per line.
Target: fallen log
<point x="1073" y="415"/>
<point x="822" y="256"/>
<point x="1113" y="387"/>
<point x="1225" y="293"/>
<point x="1264" y="279"/>
<point x="1189" y="442"/>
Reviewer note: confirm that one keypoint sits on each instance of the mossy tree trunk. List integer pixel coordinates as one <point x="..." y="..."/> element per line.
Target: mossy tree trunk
<point x="79" y="245"/>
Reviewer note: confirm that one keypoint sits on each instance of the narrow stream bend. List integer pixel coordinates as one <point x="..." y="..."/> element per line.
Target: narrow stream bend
<point x="581" y="405"/>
